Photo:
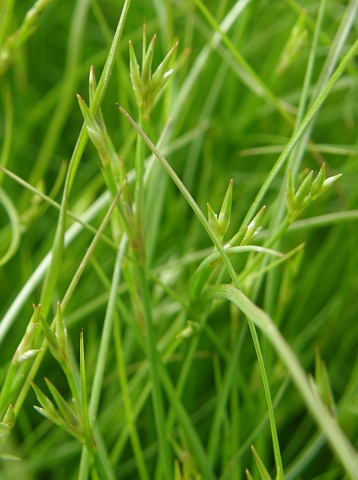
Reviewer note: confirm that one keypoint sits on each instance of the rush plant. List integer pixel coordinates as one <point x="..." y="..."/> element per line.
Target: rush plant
<point x="178" y="234"/>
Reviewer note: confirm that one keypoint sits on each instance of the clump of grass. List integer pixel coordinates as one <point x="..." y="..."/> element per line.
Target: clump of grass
<point x="153" y="340"/>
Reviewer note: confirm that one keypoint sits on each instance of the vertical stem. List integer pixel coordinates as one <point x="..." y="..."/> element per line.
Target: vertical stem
<point x="153" y="356"/>
<point x="154" y="367"/>
<point x="139" y="193"/>
<point x="130" y="417"/>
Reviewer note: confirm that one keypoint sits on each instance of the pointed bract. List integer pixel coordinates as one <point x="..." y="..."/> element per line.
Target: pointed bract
<point x="9" y="417"/>
<point x="304" y="190"/>
<point x="213" y="221"/>
<point x="147" y="66"/>
<point x="238" y="237"/>
<point x="67" y="413"/>
<point x="290" y="192"/>
<point x="61" y="335"/>
<point x="329" y="182"/>
<point x="260" y="465"/>
<point x="161" y="72"/>
<point x="51" y="341"/>
<point x="48" y="406"/>
<point x="25" y="350"/>
<point x="135" y="75"/>
<point x="318" y="181"/>
<point x="225" y="212"/>
<point x="324" y="385"/>
<point x="253" y="227"/>
<point x="92" y="83"/>
<point x="145" y="85"/>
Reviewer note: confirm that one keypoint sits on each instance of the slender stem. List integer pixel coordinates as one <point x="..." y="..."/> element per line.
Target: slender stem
<point x="64" y="303"/>
<point x="207" y="227"/>
<point x="129" y="414"/>
<point x="106" y="333"/>
<point x="155" y="366"/>
<point x="300" y="130"/>
<point x="139" y="193"/>
<point x="334" y="434"/>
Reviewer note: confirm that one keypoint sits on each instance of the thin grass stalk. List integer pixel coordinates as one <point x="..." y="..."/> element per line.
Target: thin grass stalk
<point x="185" y="194"/>
<point x="53" y="271"/>
<point x="277" y="224"/>
<point x="56" y="205"/>
<point x="208" y="229"/>
<point x="139" y="191"/>
<point x="338" y="441"/>
<point x="129" y="415"/>
<point x="186" y="368"/>
<point x="155" y="367"/>
<point x="296" y="154"/>
<point x="214" y="437"/>
<point x="298" y="133"/>
<point x="187" y="426"/>
<point x="253" y="78"/>
<point x="8" y="132"/>
<point x="255" y="434"/>
<point x="40" y="271"/>
<point x="262" y="367"/>
<point x="87" y="428"/>
<point x="106" y="333"/>
<point x="65" y="97"/>
<point x="37" y="362"/>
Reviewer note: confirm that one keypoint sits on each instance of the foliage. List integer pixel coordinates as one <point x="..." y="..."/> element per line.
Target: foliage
<point x="140" y="337"/>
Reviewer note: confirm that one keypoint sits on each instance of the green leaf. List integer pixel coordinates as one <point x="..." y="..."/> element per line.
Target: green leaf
<point x="57" y="420"/>
<point x="324" y="385"/>
<point x="4" y="430"/>
<point x="49" y="409"/>
<point x="260" y="465"/>
<point x="248" y="474"/>
<point x="147" y="66"/>
<point x="9" y="417"/>
<point x="25" y="350"/>
<point x="66" y="411"/>
<point x="238" y="237"/>
<point x="329" y="182"/>
<point x="146" y="87"/>
<point x="318" y="181"/>
<point x="52" y="342"/>
<point x="225" y="212"/>
<point x="290" y="192"/>
<point x="92" y="83"/>
<point x="253" y="227"/>
<point x="61" y="335"/>
<point x="161" y="75"/>
<point x="294" y="45"/>
<point x="134" y="72"/>
<point x="9" y="457"/>
<point x="213" y="221"/>
<point x="303" y="191"/>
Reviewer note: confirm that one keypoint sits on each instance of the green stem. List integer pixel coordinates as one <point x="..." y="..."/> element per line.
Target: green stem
<point x="139" y="193"/>
<point x="200" y="216"/>
<point x="155" y="366"/>
<point x="106" y="333"/>
<point x="64" y="303"/>
<point x="129" y="415"/>
<point x="300" y="130"/>
<point x="330" y="427"/>
<point x="251" y="78"/>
